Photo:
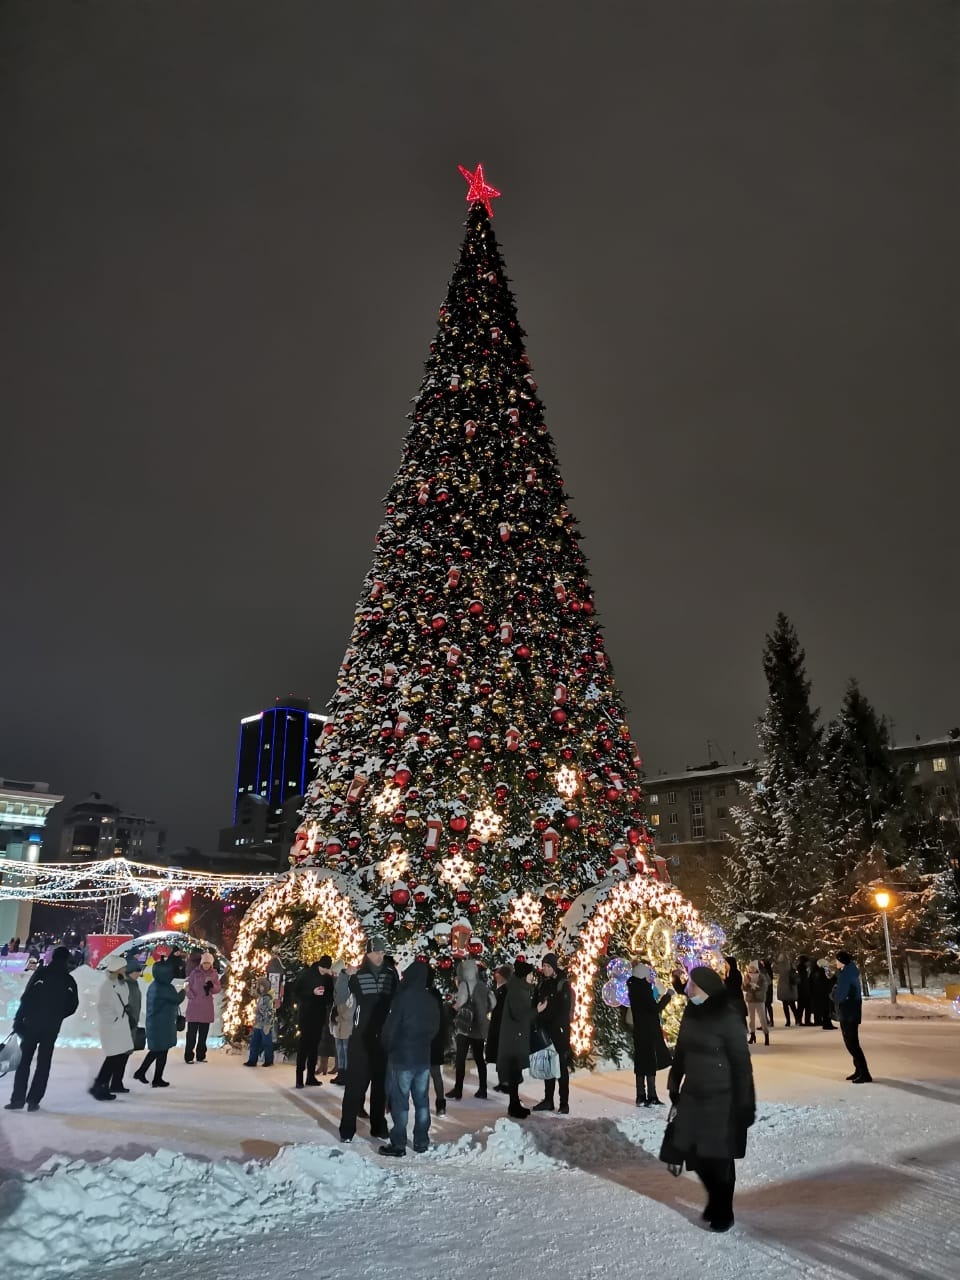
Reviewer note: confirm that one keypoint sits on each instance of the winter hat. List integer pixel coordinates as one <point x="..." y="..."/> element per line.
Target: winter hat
<point x="551" y="960"/>
<point x="521" y="968"/>
<point x="708" y="980"/>
<point x="325" y="962"/>
<point x="378" y="943"/>
<point x="134" y="965"/>
<point x="60" y="958"/>
<point x="116" y="964"/>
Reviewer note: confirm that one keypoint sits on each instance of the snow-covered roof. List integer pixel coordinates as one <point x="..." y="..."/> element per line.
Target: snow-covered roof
<point x="947" y="743"/>
<point x="744" y="770"/>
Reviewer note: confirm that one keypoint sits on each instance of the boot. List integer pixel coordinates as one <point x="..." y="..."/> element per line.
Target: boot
<point x="652" y="1099"/>
<point x="101" y="1093"/>
<point x="641" y="1091"/>
<point x="753" y="1038"/>
<point x="766" y="1037"/>
<point x="323" y="1066"/>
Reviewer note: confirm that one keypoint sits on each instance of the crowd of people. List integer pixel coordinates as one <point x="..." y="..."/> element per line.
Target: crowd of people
<point x="389" y="1038"/>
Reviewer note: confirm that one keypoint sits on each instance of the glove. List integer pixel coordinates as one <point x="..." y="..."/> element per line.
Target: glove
<point x="207" y="986"/>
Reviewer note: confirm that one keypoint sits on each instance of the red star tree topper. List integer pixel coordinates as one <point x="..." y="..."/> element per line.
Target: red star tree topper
<point x="479" y="190"/>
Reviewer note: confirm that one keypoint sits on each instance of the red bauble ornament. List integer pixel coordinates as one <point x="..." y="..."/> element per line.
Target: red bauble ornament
<point x="475" y="741"/>
<point x="527" y="864"/>
<point x="438" y="621"/>
<point x="458" y="823"/>
<point x="571" y="821"/>
<point x="633" y="835"/>
<point x="558" y="715"/>
<point x="532" y="774"/>
<point x="541" y="823"/>
<point x="476" y="947"/>
<point x="520" y="934"/>
<point x="475" y="607"/>
<point x="419" y="897"/>
<point x="389" y="916"/>
<point x="473" y="845"/>
<point x="402" y="777"/>
<point x="522" y="651"/>
<point x="566" y="753"/>
<point x="473" y="908"/>
<point x="400" y="895"/>
<point x="463" y="896"/>
<point x="445" y="963"/>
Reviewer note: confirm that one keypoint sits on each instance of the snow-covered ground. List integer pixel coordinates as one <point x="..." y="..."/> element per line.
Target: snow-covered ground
<point x="234" y="1168"/>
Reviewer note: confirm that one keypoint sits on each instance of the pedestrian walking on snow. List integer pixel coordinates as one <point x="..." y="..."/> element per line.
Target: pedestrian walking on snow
<point x="341" y="1023"/>
<point x="787" y="988"/>
<point x="821" y="994"/>
<point x="203" y="983"/>
<point x="470" y="1023"/>
<point x="650" y="1052"/>
<point x="711" y="1087"/>
<point x="755" y="986"/>
<point x="163" y="1010"/>
<point x="314" y="990"/>
<point x="113" y="1022"/>
<point x="134" y="1006"/>
<point x="513" y="1051"/>
<point x="264" y="1021"/>
<point x="373" y="987"/>
<point x="48" y="998"/>
<point x="848" y="997"/>
<point x="501" y="978"/>
<point x="408" y="1033"/>
<point x="554" y="1004"/>
<point x="733" y="982"/>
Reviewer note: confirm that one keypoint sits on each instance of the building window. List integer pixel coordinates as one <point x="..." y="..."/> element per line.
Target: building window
<point x="671" y="797"/>
<point x="696" y="828"/>
<point x="654" y="799"/>
<point x="696" y="796"/>
<point x="674" y="818"/>
<point x="674" y="839"/>
<point x="943" y="792"/>
<point x="720" y="792"/>
<point x="654" y="819"/>
<point x="722" y="813"/>
<point x="939" y="764"/>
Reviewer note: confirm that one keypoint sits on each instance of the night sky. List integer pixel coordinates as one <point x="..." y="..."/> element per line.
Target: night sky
<point x="226" y="226"/>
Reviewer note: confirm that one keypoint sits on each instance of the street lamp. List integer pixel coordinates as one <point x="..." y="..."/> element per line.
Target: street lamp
<point x="882" y="899"/>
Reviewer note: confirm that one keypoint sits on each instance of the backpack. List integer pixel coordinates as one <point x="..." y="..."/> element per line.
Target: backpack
<point x="468" y="1021"/>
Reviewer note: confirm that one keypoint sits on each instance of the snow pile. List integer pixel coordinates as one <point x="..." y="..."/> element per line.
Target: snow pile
<point x="508" y="1146"/>
<point x="925" y="1006"/>
<point x="165" y="1201"/>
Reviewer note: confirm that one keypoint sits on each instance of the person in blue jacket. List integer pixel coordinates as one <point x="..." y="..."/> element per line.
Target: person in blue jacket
<point x="849" y="1001"/>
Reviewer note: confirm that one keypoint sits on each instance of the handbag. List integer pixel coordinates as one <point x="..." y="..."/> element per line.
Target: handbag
<point x="545" y="1064"/>
<point x="669" y="1154"/>
<point x="181" y="1022"/>
<point x="9" y="1055"/>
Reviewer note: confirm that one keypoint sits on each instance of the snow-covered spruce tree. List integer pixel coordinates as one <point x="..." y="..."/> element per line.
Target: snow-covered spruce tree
<point x="477" y="772"/>
<point x="774" y="868"/>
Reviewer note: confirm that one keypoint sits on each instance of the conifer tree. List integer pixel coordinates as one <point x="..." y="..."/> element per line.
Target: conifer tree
<point x="477" y="772"/>
<point x="774" y="867"/>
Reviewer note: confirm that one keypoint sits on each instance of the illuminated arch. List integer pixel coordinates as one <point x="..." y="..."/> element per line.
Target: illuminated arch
<point x="649" y="904"/>
<point x="322" y="892"/>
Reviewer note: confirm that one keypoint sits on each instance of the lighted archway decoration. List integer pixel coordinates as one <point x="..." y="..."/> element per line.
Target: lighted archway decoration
<point x="646" y="903"/>
<point x="324" y="894"/>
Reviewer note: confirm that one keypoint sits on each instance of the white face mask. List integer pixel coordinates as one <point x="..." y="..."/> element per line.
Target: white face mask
<point x="698" y="998"/>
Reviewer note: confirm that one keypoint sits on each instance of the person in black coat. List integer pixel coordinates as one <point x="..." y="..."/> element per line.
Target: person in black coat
<point x="314" y="994"/>
<point x="804" y="992"/>
<point x="48" y="998"/>
<point x="372" y="987"/>
<point x="439" y="1045"/>
<point x="821" y="995"/>
<point x="733" y="983"/>
<point x="554" y="1009"/>
<point x="501" y="977"/>
<point x="650" y="1052"/>
<point x="407" y="1036"/>
<point x="711" y="1086"/>
<point x="513" y="1049"/>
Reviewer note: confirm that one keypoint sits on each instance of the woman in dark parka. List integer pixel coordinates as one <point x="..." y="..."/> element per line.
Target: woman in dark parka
<point x="650" y="1052"/>
<point x="513" y="1050"/>
<point x="711" y="1085"/>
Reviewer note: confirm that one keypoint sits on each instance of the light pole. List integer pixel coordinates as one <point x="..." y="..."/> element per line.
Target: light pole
<point x="882" y="899"/>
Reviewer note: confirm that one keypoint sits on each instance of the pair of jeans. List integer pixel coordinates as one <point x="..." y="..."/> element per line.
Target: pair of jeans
<point x="261" y="1042"/>
<point x="342" y="1047"/>
<point x="436" y="1075"/>
<point x="366" y="1069"/>
<point x="402" y="1082"/>
<point x="39" y="1043"/>
<point x="196" y="1040"/>
<point x="464" y="1045"/>
<point x="851" y="1038"/>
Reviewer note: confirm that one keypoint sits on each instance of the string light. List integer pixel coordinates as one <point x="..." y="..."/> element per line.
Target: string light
<point x="567" y="781"/>
<point x="456" y="870"/>
<point x="486" y="824"/>
<point x="641" y="898"/>
<point x="395" y="865"/>
<point x="64" y="883"/>
<point x="386" y="801"/>
<point x="527" y="913"/>
<point x="333" y="911"/>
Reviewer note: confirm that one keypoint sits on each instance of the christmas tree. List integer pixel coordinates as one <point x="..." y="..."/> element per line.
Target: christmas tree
<point x="477" y="774"/>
